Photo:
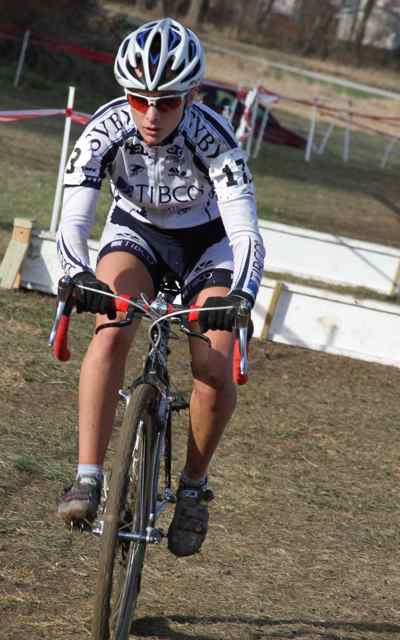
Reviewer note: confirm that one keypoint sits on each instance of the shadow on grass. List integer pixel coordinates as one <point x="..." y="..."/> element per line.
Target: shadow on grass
<point x="6" y="226"/>
<point x="159" y="627"/>
<point x="390" y="204"/>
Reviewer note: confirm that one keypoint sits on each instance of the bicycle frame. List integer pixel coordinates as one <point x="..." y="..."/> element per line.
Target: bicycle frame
<point x="145" y="437"/>
<point x="155" y="373"/>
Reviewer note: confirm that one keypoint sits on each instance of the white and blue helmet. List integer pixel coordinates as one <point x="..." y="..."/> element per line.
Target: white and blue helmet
<point x="161" y="55"/>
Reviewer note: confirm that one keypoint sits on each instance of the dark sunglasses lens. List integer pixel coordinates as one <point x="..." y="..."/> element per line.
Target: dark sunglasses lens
<point x="168" y="104"/>
<point x="137" y="103"/>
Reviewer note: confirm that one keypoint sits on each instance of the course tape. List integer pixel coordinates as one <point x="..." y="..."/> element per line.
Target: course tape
<point x="342" y="114"/>
<point x="12" y="31"/>
<point x="28" y="114"/>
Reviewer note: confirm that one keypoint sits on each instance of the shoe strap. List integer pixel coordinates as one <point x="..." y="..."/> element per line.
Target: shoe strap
<point x="202" y="494"/>
<point x="94" y="481"/>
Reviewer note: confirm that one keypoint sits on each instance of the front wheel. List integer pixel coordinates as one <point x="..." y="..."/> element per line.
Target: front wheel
<point x="127" y="511"/>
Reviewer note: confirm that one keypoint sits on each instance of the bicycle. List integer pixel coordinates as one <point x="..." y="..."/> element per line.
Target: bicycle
<point x="141" y="478"/>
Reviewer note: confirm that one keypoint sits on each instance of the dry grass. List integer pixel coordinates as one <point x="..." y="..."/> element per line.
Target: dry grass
<point x="304" y="530"/>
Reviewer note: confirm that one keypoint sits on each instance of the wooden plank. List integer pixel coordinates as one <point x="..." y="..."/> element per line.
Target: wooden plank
<point x="287" y="313"/>
<point x="271" y="309"/>
<point x="396" y="282"/>
<point x="41" y="269"/>
<point x="15" y="253"/>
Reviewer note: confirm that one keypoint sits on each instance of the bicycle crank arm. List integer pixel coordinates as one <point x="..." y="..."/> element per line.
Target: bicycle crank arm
<point x="153" y="536"/>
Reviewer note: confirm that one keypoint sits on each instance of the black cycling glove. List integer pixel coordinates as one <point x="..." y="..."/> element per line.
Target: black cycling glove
<point x="93" y="301"/>
<point x="222" y="319"/>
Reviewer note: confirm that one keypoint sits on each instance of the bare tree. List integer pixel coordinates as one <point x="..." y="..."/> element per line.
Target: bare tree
<point x="368" y="8"/>
<point x="317" y="23"/>
<point x="263" y="13"/>
<point x="354" y="21"/>
<point x="318" y="37"/>
<point x="197" y="12"/>
<point x="169" y="7"/>
<point x="142" y="5"/>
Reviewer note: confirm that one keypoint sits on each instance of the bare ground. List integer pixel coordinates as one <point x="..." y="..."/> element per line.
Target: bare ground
<point x="304" y="533"/>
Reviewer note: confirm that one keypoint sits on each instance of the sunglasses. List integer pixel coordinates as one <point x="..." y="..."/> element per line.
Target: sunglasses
<point x="141" y="103"/>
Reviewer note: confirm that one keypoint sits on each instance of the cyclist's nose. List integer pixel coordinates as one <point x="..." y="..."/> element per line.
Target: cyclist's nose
<point x="152" y="114"/>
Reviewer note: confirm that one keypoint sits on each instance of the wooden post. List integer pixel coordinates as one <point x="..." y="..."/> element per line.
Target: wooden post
<point x="325" y="138"/>
<point x="16" y="252"/>
<point x="396" y="282"/>
<point x="311" y="133"/>
<point x="21" y="59"/>
<point x="260" y="135"/>
<point x="388" y="150"/>
<point x="63" y="161"/>
<point x="347" y="134"/>
<point x="271" y="309"/>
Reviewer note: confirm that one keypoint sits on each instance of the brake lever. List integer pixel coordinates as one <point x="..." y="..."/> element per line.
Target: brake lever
<point x="131" y="313"/>
<point x="241" y="323"/>
<point x="194" y="334"/>
<point x="65" y="303"/>
<point x="107" y="325"/>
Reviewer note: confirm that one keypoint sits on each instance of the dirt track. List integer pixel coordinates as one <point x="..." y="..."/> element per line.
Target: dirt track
<point x="304" y="532"/>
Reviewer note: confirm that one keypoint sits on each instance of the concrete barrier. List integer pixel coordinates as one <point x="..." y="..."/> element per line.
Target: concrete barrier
<point x="330" y="258"/>
<point x="292" y="314"/>
<point x="318" y="319"/>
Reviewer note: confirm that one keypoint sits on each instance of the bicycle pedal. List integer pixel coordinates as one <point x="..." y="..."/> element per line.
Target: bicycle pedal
<point x="80" y="526"/>
<point x="179" y="403"/>
<point x="158" y="535"/>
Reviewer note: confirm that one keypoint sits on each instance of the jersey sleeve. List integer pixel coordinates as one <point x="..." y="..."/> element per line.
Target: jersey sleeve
<point x="233" y="185"/>
<point x="83" y="177"/>
<point x="78" y="213"/>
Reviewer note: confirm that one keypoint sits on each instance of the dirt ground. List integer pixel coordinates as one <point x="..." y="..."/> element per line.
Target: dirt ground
<point x="305" y="529"/>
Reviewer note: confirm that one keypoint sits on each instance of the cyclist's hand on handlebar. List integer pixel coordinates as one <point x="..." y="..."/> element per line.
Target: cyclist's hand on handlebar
<point x="93" y="301"/>
<point x="222" y="319"/>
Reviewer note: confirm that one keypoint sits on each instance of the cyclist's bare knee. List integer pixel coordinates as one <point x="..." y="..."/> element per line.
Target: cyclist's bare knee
<point x="112" y="342"/>
<point x="212" y="364"/>
<point x="215" y="378"/>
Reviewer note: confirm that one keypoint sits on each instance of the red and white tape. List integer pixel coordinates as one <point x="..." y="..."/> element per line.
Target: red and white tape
<point x="28" y="114"/>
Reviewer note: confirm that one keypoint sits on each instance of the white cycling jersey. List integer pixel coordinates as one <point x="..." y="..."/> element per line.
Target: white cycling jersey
<point x="196" y="175"/>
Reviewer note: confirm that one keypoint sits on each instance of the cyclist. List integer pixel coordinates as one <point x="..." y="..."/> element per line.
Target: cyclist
<point x="183" y="201"/>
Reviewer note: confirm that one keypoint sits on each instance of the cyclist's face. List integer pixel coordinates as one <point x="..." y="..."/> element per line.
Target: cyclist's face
<point x="156" y="120"/>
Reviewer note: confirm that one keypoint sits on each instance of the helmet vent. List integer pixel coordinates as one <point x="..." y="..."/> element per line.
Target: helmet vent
<point x="147" y="57"/>
<point x="155" y="49"/>
<point x="173" y="40"/>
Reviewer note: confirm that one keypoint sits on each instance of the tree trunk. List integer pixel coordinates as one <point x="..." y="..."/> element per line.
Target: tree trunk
<point x="263" y="14"/>
<point x="243" y="11"/>
<point x="354" y="21"/>
<point x="168" y="7"/>
<point x="309" y="44"/>
<point x="368" y="8"/>
<point x="193" y="15"/>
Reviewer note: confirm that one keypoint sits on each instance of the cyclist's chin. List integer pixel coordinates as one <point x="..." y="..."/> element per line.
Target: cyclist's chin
<point x="153" y="136"/>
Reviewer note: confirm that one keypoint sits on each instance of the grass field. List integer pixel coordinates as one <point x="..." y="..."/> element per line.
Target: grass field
<point x="304" y="533"/>
<point x="356" y="198"/>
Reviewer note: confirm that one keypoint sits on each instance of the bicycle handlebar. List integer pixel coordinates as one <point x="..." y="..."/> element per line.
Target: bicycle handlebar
<point x="58" y="339"/>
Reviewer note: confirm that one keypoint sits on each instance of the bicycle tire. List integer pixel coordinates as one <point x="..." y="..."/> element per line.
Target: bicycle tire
<point x="121" y="563"/>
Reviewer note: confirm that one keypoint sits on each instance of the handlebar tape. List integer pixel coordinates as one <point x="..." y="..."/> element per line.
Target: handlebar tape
<point x="122" y="305"/>
<point x="61" y="351"/>
<point x="239" y="378"/>
<point x="60" y="345"/>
